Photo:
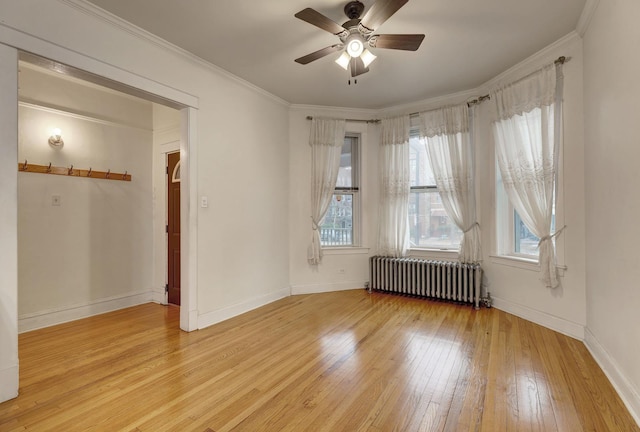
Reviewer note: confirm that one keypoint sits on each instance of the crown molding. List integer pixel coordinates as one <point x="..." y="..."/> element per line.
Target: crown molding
<point x="365" y="112"/>
<point x="530" y="64"/>
<point x="430" y="103"/>
<point x="96" y="12"/>
<point x="585" y="18"/>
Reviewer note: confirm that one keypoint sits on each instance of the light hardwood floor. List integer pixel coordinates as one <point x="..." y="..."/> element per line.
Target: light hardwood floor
<point x="346" y="361"/>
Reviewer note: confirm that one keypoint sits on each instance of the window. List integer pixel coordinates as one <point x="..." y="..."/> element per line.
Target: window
<point x="339" y="226"/>
<point x="514" y="238"/>
<point x="429" y="225"/>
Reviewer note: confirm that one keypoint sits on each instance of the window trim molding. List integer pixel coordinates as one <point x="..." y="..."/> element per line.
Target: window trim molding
<point x="523" y="263"/>
<point x="345" y="250"/>
<point x="429" y="188"/>
<point x="360" y="229"/>
<point x="498" y="243"/>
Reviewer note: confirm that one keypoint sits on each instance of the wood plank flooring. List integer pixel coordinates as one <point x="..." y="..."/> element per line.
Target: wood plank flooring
<point x="346" y="361"/>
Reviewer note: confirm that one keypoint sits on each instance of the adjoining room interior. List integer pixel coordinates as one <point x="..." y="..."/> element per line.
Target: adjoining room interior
<point x="87" y="245"/>
<point x="83" y="256"/>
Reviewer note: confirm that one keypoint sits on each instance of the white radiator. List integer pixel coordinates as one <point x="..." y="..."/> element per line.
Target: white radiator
<point x="450" y="281"/>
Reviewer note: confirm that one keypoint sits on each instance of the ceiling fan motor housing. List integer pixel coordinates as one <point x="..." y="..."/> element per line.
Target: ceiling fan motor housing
<point x="353" y="9"/>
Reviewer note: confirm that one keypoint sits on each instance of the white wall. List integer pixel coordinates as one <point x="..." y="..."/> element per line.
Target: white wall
<point x="612" y="147"/>
<point x="91" y="253"/>
<point x="8" y="223"/>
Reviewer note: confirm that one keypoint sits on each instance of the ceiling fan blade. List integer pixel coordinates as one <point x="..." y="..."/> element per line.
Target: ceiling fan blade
<point x="408" y="42"/>
<point x="357" y="67"/>
<point x="319" y="54"/>
<point x="379" y="12"/>
<point x="317" y="19"/>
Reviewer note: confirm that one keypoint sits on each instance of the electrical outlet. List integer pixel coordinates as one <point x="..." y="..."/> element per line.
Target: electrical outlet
<point x="204" y="202"/>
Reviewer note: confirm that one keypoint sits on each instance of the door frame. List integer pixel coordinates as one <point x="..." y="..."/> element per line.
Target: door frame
<point x="93" y="70"/>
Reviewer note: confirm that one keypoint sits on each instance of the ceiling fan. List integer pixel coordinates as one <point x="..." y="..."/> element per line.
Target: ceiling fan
<point x="358" y="33"/>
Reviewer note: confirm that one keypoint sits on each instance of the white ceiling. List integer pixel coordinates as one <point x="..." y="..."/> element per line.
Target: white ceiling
<point x="467" y="43"/>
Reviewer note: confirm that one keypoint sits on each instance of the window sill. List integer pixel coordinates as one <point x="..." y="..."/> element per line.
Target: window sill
<point x="345" y="250"/>
<point x="522" y="263"/>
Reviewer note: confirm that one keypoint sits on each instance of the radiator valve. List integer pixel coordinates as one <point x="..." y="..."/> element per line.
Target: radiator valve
<point x="487" y="301"/>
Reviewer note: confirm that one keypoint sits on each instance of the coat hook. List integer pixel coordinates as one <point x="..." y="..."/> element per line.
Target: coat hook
<point x="24" y="165"/>
<point x="108" y="173"/>
<point x="89" y="173"/>
<point x="124" y="176"/>
<point x="71" y="170"/>
<point x="49" y="168"/>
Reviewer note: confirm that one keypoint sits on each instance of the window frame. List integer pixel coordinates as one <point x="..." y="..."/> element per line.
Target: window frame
<point x="415" y="133"/>
<point x="354" y="191"/>
<point x="504" y="222"/>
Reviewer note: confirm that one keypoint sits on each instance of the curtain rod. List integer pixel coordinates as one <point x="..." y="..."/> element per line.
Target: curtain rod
<point x="559" y="60"/>
<point x="480" y="99"/>
<point x="354" y="120"/>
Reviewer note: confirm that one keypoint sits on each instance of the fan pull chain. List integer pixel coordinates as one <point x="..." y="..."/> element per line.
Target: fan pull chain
<point x="355" y="80"/>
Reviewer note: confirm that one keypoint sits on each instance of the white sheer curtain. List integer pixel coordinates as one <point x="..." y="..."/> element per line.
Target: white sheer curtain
<point x="393" y="226"/>
<point x="527" y="141"/>
<point x="447" y="137"/>
<point x="326" y="139"/>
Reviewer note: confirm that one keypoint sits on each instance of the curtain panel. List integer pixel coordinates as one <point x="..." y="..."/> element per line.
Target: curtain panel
<point x="527" y="142"/>
<point x="393" y="226"/>
<point x="446" y="135"/>
<point x="326" y="139"/>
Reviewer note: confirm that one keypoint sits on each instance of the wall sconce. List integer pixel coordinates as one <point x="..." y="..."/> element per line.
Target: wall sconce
<point x="56" y="138"/>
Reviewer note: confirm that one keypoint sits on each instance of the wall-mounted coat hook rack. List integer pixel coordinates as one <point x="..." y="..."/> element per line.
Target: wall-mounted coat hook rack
<point x="73" y="172"/>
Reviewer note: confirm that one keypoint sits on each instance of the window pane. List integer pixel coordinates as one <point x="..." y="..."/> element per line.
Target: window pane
<point x="337" y="226"/>
<point x="345" y="172"/>
<point x="429" y="225"/>
<point x="419" y="166"/>
<point x="525" y="241"/>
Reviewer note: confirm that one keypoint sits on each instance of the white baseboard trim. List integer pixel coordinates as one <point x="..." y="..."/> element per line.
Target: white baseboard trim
<point x="214" y="317"/>
<point x="326" y="287"/>
<point x="159" y="297"/>
<point x="46" y="318"/>
<point x="9" y="383"/>
<point x="629" y="395"/>
<point x="552" y="322"/>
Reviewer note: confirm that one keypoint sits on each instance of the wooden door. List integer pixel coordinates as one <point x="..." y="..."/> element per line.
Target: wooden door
<point x="173" y="227"/>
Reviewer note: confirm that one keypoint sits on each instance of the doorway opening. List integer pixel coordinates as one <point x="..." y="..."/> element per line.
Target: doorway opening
<point x="103" y="202"/>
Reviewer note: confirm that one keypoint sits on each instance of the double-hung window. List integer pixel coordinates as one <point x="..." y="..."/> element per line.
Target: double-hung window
<point x="513" y="237"/>
<point x="340" y="226"/>
<point x="429" y="225"/>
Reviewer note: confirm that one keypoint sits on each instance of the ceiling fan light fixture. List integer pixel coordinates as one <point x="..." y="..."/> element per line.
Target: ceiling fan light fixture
<point x="344" y="60"/>
<point x="355" y="46"/>
<point x="367" y="57"/>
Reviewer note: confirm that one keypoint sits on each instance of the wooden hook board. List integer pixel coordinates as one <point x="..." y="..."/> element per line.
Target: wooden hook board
<point x="73" y="172"/>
